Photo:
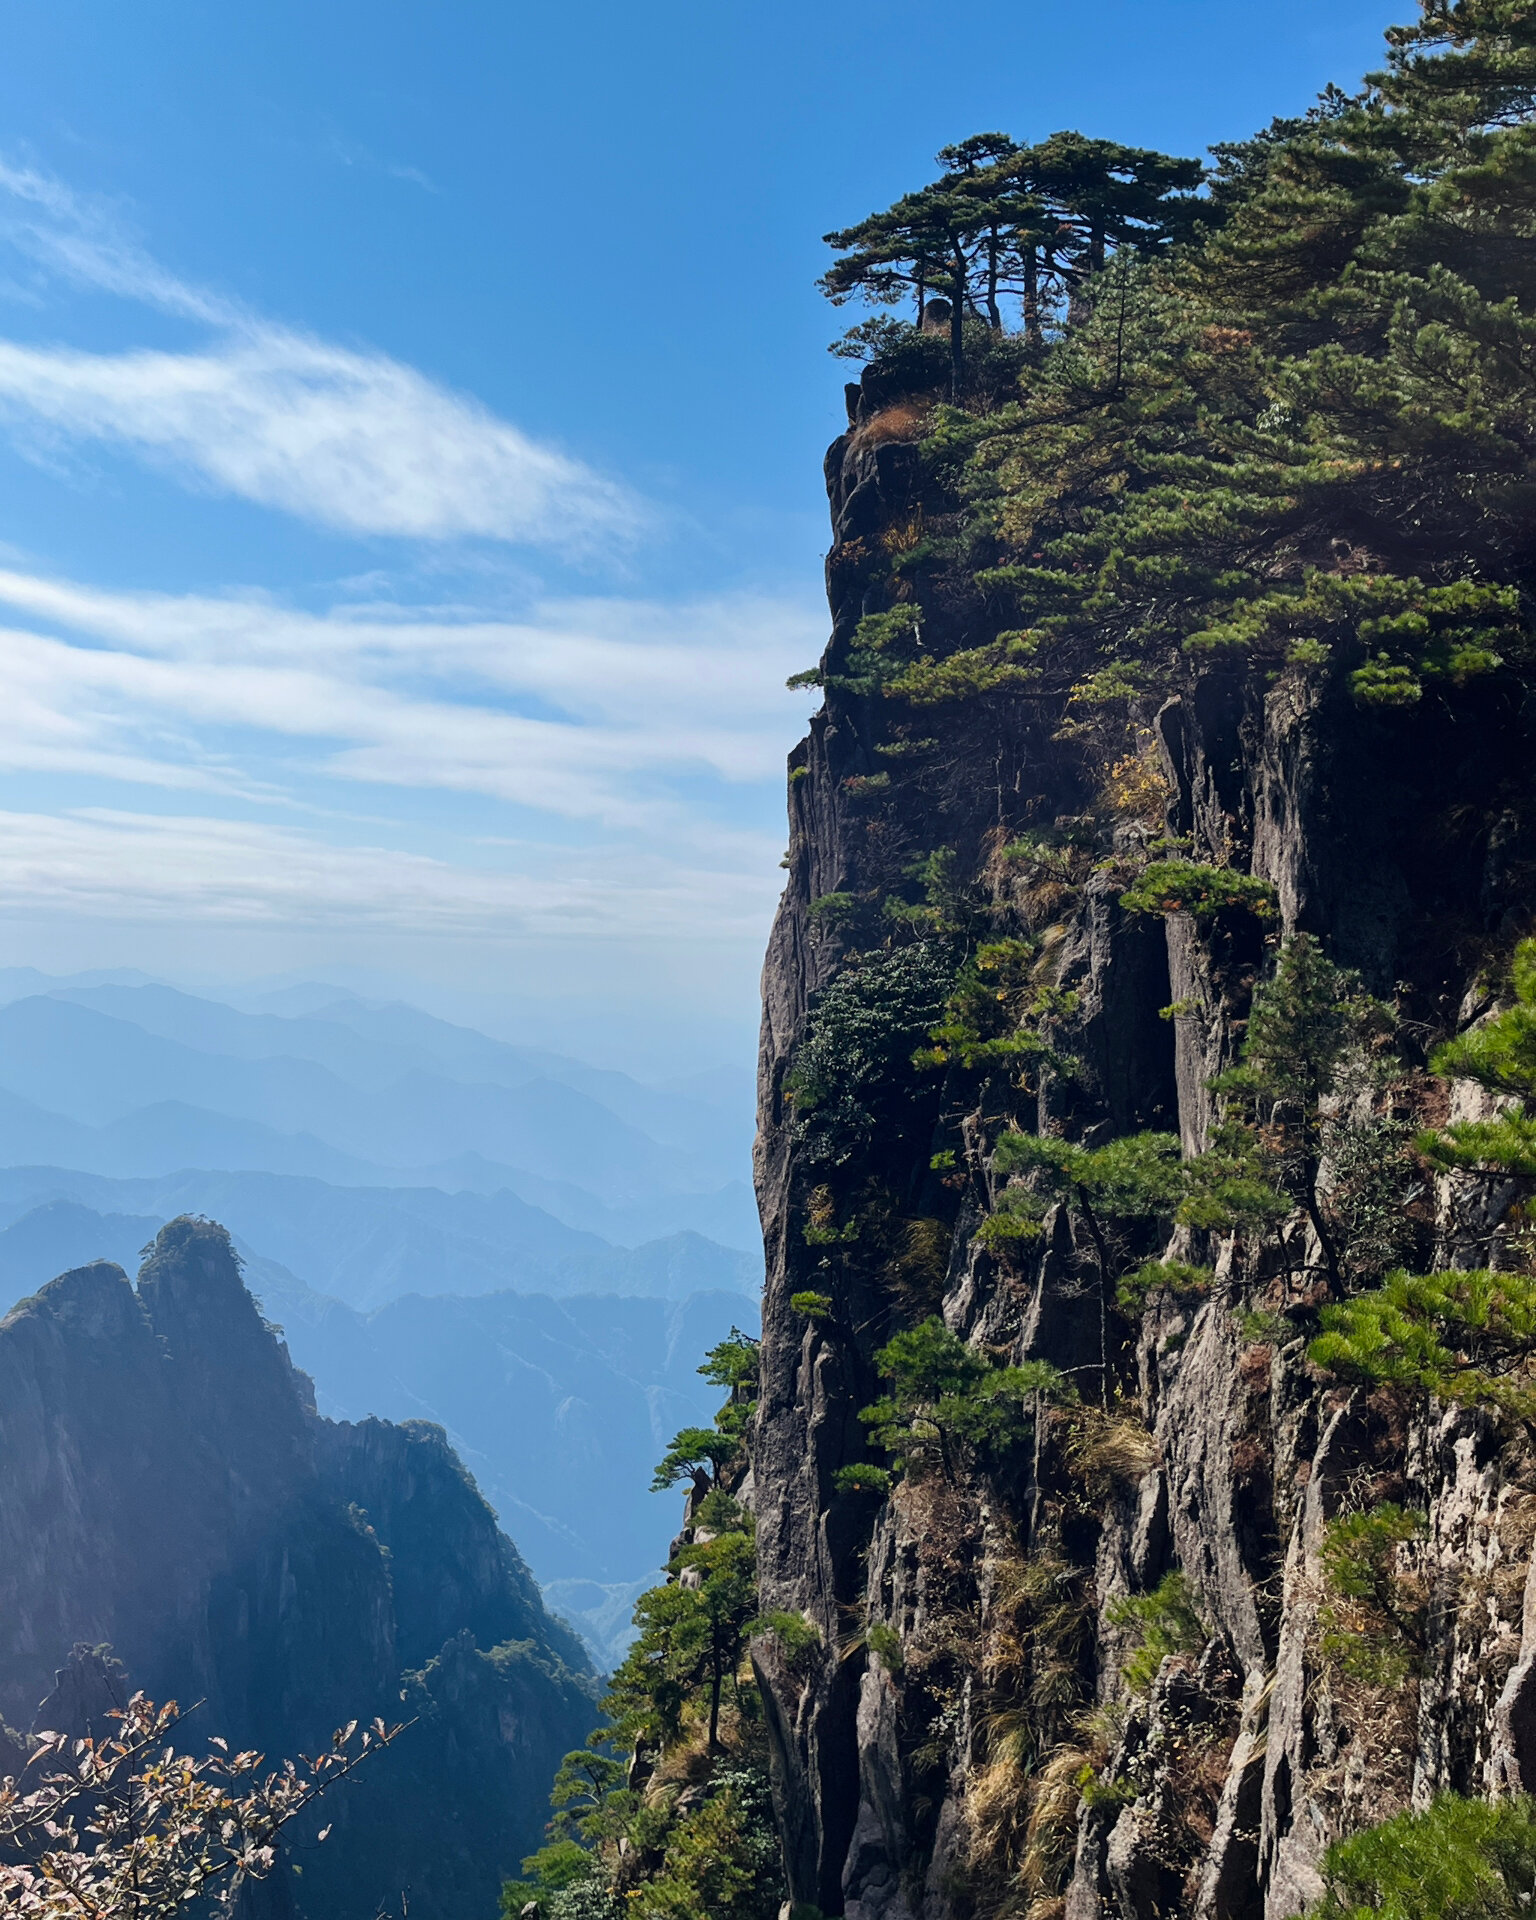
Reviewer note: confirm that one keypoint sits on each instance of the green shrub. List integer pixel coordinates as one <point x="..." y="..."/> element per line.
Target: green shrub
<point x="862" y="1477"/>
<point x="1184" y="886"/>
<point x="1161" y="1276"/>
<point x="1460" y="1859"/>
<point x="884" y="1641"/>
<point x="1314" y="1058"/>
<point x="720" y="1512"/>
<point x="883" y="646"/>
<point x="733" y="1364"/>
<point x="821" y="1227"/>
<point x="998" y="1014"/>
<point x="1373" y="1171"/>
<point x="722" y="1862"/>
<point x="695" y="1452"/>
<point x="568" y="1883"/>
<point x="1360" y="1551"/>
<point x="1263" y="1328"/>
<point x="1165" y="1622"/>
<point x="853" y="1076"/>
<point x="945" y="1394"/>
<point x="1116" y="1790"/>
<point x="1373" y="1627"/>
<point x="1501" y="1053"/>
<point x="547" y="1871"/>
<point x="836" y="911"/>
<point x="1501" y="1056"/>
<point x="794" y="1633"/>
<point x="1137" y="1177"/>
<point x="1230" y="1186"/>
<point x="1127" y="1183"/>
<point x="815" y="1306"/>
<point x="1016" y="1220"/>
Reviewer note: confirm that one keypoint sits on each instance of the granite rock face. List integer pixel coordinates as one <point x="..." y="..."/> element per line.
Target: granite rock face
<point x="1405" y="841"/>
<point x="168" y="1492"/>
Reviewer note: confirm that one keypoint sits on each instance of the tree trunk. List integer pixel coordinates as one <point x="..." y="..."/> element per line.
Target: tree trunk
<point x="1101" y="1256"/>
<point x="1032" y="332"/>
<point x="994" y="312"/>
<point x="957" y="325"/>
<point x="1314" y="1213"/>
<point x="714" y="1694"/>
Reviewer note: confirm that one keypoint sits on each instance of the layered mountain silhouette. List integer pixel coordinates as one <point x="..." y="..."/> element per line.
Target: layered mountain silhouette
<point x="369" y="1245"/>
<point x="176" y="1516"/>
<point x="531" y="1251"/>
<point x="559" y="1406"/>
<point x="144" y="1080"/>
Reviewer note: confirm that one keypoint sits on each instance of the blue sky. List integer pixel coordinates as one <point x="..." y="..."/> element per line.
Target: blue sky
<point x="410" y="432"/>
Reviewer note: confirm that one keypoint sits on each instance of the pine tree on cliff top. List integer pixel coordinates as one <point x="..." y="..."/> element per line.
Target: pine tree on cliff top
<point x="1006" y="218"/>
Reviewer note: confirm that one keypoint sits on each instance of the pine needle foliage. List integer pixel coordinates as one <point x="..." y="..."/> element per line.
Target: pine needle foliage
<point x="1373" y="1621"/>
<point x="1136" y="1179"/>
<point x="1460" y="1859"/>
<point x="1315" y="1045"/>
<point x="624" y="1840"/>
<point x="1185" y="886"/>
<point x="1465" y="1337"/>
<point x="1499" y="1055"/>
<point x="1163" y="1621"/>
<point x="945" y="1399"/>
<point x="1298" y="440"/>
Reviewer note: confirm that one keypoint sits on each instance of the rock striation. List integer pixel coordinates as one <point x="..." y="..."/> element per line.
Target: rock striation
<point x="1405" y="840"/>
<point x="168" y="1492"/>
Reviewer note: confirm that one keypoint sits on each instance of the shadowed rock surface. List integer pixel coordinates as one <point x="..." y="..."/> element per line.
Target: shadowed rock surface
<point x="1404" y="839"/>
<point x="168" y="1491"/>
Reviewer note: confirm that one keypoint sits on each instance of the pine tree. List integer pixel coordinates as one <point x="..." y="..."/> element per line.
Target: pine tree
<point x="1135" y="1179"/>
<point x="1308" y="1023"/>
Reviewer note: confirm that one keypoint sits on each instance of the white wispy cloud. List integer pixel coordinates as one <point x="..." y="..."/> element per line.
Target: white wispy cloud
<point x="587" y="709"/>
<point x="628" y="726"/>
<point x="85" y="241"/>
<point x="257" y="764"/>
<point x="203" y="870"/>
<point x="346" y="438"/>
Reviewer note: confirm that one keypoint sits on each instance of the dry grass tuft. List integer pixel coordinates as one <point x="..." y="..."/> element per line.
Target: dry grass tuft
<point x="1037" y="1740"/>
<point x="904" y="535"/>
<point x="1110" y="1452"/>
<point x="920" y="1270"/>
<point x="1051" y="1831"/>
<point x="905" y="420"/>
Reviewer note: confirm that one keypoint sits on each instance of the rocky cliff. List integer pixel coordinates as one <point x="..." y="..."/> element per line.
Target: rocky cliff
<point x="1013" y="1709"/>
<point x="167" y="1490"/>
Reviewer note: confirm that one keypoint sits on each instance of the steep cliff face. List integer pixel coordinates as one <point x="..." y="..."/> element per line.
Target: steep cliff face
<point x="167" y="1488"/>
<point x="969" y="1741"/>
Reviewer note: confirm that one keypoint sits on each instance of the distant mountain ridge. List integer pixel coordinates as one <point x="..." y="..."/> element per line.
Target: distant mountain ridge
<point x="365" y="1246"/>
<point x="136" y="1080"/>
<point x="531" y="1251"/>
<point x="560" y="1407"/>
